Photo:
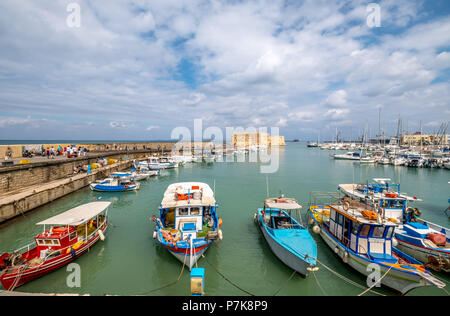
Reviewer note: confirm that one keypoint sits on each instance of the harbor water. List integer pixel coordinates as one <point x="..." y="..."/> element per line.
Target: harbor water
<point x="130" y="262"/>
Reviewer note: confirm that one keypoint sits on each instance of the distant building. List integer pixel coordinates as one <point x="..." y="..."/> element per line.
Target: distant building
<point x="244" y="140"/>
<point x="418" y="138"/>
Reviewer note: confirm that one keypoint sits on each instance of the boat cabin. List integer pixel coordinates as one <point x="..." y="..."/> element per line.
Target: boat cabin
<point x="189" y="209"/>
<point x="277" y="213"/>
<point x="70" y="229"/>
<point x="384" y="196"/>
<point x="362" y="231"/>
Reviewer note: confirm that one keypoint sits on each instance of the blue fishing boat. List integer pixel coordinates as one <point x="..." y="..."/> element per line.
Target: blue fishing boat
<point x="188" y="223"/>
<point x="363" y="239"/>
<point x="421" y="239"/>
<point x="288" y="240"/>
<point x="116" y="183"/>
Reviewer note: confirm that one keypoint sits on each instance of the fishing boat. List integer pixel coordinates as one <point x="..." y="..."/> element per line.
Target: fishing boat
<point x="367" y="159"/>
<point x="347" y="156"/>
<point x="209" y="158"/>
<point x="116" y="183"/>
<point x="418" y="238"/>
<point x="364" y="240"/>
<point x="65" y="237"/>
<point x="312" y="145"/>
<point x="137" y="176"/>
<point x="188" y="223"/>
<point x="288" y="240"/>
<point x="168" y="163"/>
<point x="400" y="161"/>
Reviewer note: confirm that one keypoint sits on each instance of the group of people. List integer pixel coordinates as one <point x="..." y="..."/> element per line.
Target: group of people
<point x="69" y="151"/>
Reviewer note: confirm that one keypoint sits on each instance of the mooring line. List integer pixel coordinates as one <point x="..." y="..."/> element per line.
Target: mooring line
<point x="226" y="279"/>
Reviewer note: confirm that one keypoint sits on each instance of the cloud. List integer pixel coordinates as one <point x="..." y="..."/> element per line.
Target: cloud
<point x="266" y="63"/>
<point x="152" y="127"/>
<point x="337" y="98"/>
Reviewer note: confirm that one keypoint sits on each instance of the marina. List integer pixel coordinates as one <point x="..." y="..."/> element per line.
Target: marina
<point x="225" y="155"/>
<point x="242" y="247"/>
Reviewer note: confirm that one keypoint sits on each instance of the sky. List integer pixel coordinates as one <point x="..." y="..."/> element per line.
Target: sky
<point x="137" y="69"/>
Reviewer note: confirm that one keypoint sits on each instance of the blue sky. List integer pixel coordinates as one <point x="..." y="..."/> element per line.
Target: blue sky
<point x="137" y="69"/>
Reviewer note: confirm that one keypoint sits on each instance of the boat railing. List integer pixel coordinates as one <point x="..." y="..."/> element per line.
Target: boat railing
<point x="20" y="250"/>
<point x="324" y="198"/>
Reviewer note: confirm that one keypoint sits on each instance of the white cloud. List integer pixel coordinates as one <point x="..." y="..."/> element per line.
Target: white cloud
<point x="337" y="98"/>
<point x="152" y="127"/>
<point x="315" y="62"/>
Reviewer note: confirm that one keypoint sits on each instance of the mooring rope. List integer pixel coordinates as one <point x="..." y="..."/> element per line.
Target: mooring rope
<point x="375" y="283"/>
<point x="293" y="273"/>
<point x="171" y="283"/>
<point x="226" y="279"/>
<point x="318" y="284"/>
<point x="346" y="279"/>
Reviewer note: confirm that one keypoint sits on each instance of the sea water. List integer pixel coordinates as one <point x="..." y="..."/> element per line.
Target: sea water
<point x="131" y="262"/>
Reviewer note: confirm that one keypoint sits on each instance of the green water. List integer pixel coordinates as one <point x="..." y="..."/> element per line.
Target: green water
<point x="130" y="262"/>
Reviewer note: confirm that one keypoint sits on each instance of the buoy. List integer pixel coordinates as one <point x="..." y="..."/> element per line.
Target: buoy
<point x="345" y="257"/>
<point x="220" y="234"/>
<point x="394" y="242"/>
<point x="220" y="222"/>
<point x="101" y="235"/>
<point x="336" y="250"/>
<point x="154" y="234"/>
<point x="312" y="269"/>
<point x="316" y="229"/>
<point x="311" y="221"/>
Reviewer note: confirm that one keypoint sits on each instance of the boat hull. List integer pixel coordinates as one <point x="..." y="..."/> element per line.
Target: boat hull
<point x="398" y="280"/>
<point x="415" y="248"/>
<point x="184" y="255"/>
<point x="8" y="280"/>
<point x="285" y="256"/>
<point x="106" y="188"/>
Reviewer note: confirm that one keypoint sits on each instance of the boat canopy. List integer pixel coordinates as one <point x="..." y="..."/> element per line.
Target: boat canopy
<point x="78" y="215"/>
<point x="204" y="198"/>
<point x="282" y="203"/>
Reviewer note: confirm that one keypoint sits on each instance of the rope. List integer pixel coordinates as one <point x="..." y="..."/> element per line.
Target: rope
<point x="293" y="273"/>
<point x="228" y="280"/>
<point x="346" y="279"/>
<point x="370" y="288"/>
<point x="171" y="283"/>
<point x="318" y="284"/>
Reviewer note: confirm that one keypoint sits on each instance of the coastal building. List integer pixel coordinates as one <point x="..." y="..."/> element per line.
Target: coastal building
<point x="244" y="140"/>
<point x="425" y="139"/>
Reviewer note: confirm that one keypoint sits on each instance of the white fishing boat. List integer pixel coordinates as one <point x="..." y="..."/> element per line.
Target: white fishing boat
<point x="188" y="223"/>
<point x="425" y="241"/>
<point x="361" y="237"/>
<point x="209" y="158"/>
<point x="367" y="159"/>
<point x="384" y="161"/>
<point x="400" y="161"/>
<point x="348" y="156"/>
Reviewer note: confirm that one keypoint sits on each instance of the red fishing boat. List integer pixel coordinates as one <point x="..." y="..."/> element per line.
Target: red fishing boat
<point x="65" y="237"/>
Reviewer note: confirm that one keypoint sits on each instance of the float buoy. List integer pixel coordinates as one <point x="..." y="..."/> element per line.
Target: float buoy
<point x="101" y="235"/>
<point x="316" y="229"/>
